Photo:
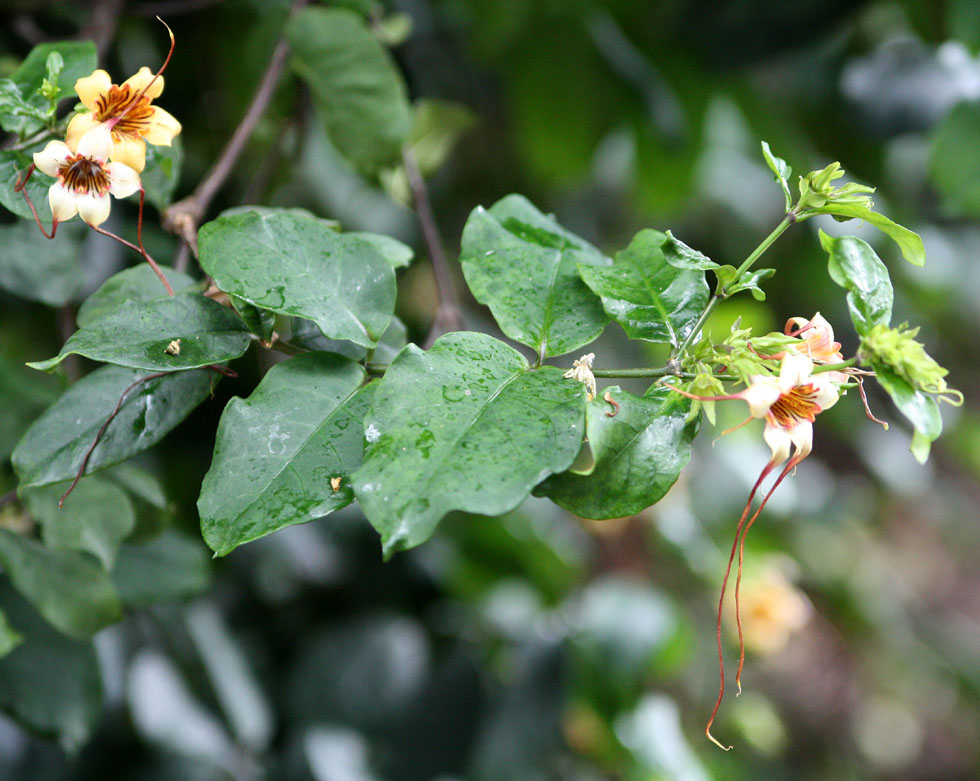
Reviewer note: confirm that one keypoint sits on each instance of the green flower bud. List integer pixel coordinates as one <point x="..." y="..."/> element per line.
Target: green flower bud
<point x="897" y="349"/>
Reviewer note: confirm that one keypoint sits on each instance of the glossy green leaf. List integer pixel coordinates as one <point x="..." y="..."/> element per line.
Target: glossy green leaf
<point x="679" y="255"/>
<point x="397" y="254"/>
<point x="524" y="266"/>
<point x="170" y="567"/>
<point x="70" y="589"/>
<point x="954" y="160"/>
<point x="298" y="266"/>
<point x="638" y="454"/>
<point x="465" y="426"/>
<point x="137" y="334"/>
<point x="647" y="296"/>
<point x="277" y="451"/>
<point x="782" y="171"/>
<point x="136" y="284"/>
<point x="908" y="241"/>
<point x="52" y="449"/>
<point x="80" y="60"/>
<point x="14" y="165"/>
<point x="97" y="516"/>
<point x="36" y="268"/>
<point x="260" y="322"/>
<point x="50" y="683"/>
<point x="750" y="281"/>
<point x="354" y="81"/>
<point x="855" y="267"/>
<point x="162" y="172"/>
<point x="921" y="410"/>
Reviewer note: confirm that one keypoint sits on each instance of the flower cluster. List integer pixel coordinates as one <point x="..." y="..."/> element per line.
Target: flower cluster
<point x="105" y="148"/>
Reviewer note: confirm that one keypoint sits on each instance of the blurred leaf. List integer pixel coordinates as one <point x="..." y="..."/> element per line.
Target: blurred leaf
<point x="524" y="266"/>
<point x="36" y="268"/>
<point x="465" y="426"/>
<point x="136" y="334"/>
<point x="298" y="266"/>
<point x="68" y="588"/>
<point x="648" y="297"/>
<point x="392" y="340"/>
<point x="782" y="171"/>
<point x="654" y="735"/>
<point x="140" y="483"/>
<point x="50" y="683"/>
<point x="277" y="452"/>
<point x="954" y="159"/>
<point x="14" y="165"/>
<point x="170" y="567"/>
<point x="854" y="266"/>
<point x="138" y="284"/>
<point x="53" y="447"/>
<point x="354" y="81"/>
<point x="80" y="60"/>
<point x="22" y="399"/>
<point x="397" y="254"/>
<point x="679" y="255"/>
<point x="162" y="172"/>
<point x="919" y="408"/>
<point x="639" y="453"/>
<point x="10" y="638"/>
<point x="908" y="241"/>
<point x="96" y="517"/>
<point x="333" y="753"/>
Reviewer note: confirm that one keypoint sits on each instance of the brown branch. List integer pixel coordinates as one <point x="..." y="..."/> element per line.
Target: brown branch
<point x="448" y="317"/>
<point x="183" y="217"/>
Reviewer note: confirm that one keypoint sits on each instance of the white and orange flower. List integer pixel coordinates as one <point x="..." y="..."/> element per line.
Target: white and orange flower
<point x="85" y="177"/>
<point x="126" y="110"/>
<point x="818" y="338"/>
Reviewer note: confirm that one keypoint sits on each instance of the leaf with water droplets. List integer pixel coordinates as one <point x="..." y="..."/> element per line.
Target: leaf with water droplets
<point x="465" y="426"/>
<point x="524" y="266"/>
<point x="297" y="265"/>
<point x="277" y="451"/>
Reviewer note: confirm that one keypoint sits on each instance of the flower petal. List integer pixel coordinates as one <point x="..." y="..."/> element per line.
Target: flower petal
<point x="131" y="152"/>
<point x="92" y="208"/>
<point x="62" y="202"/>
<point x="91" y="87"/>
<point x="51" y="158"/>
<point x="123" y="180"/>
<point x="96" y="143"/>
<point x="138" y="81"/>
<point x="795" y="370"/>
<point x="827" y="393"/>
<point x="761" y="395"/>
<point x="163" y="127"/>
<point x="802" y="437"/>
<point x="80" y="125"/>
<point x="779" y="441"/>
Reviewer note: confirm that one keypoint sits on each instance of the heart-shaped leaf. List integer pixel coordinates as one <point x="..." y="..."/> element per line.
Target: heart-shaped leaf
<point x="854" y="266"/>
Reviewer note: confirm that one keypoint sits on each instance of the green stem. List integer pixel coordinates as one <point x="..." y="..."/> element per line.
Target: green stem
<point x="663" y="371"/>
<point x="767" y="242"/>
<point x="834" y="367"/>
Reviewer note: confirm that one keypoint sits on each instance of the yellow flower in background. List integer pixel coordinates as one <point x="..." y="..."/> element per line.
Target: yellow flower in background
<point x="772" y="608"/>
<point x="126" y="110"/>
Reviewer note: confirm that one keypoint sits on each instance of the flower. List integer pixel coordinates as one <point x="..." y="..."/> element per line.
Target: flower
<point x="818" y="338"/>
<point x="127" y="112"/>
<point x="85" y="178"/>
<point x="582" y="371"/>
<point x="789" y="404"/>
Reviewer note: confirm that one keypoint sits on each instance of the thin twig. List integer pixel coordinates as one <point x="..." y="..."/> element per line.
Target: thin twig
<point x="183" y="217"/>
<point x="448" y="317"/>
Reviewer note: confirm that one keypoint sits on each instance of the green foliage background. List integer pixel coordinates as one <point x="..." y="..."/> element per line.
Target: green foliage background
<point x="534" y="645"/>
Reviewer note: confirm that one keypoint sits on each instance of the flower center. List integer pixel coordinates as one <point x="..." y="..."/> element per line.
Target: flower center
<point x="797" y="404"/>
<point x="84" y="175"/>
<point x="117" y="100"/>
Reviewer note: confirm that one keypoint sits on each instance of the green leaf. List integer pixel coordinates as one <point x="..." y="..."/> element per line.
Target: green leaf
<point x="136" y="284"/>
<point x="22" y="399"/>
<point x="464" y="426"/>
<point x="50" y="683"/>
<point x="140" y="483"/>
<point x="162" y="172"/>
<point x="647" y="296"/>
<point x="397" y="254"/>
<point x="96" y="517"/>
<point x="954" y="159"/>
<point x="137" y="334"/>
<point x="276" y="452"/>
<point x="260" y="322"/>
<point x="638" y="452"/>
<point x="919" y="408"/>
<point x="68" y="588"/>
<point x="855" y="267"/>
<point x="36" y="268"/>
<point x="782" y="171"/>
<point x="354" y="81"/>
<point x="524" y="266"/>
<point x="52" y="449"/>
<point x="14" y="165"/>
<point x="750" y="281"/>
<point x="80" y="60"/>
<point x="171" y="567"/>
<point x="10" y="638"/>
<point x="18" y="115"/>
<point x="909" y="242"/>
<point x="298" y="266"/>
<point x="679" y="255"/>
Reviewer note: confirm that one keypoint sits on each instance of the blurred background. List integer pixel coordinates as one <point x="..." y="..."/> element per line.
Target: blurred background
<point x="539" y="645"/>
